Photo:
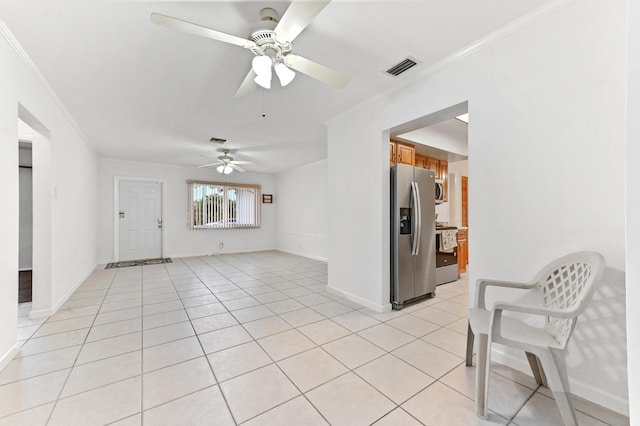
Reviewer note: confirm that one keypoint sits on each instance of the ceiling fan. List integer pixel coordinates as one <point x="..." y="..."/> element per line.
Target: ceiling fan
<point x="226" y="164"/>
<point x="270" y="40"/>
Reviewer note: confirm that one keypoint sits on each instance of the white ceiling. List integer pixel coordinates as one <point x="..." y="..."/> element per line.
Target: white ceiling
<point x="445" y="140"/>
<point x="143" y="92"/>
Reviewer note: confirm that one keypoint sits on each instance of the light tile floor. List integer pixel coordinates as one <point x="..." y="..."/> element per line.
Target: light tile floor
<point x="255" y="339"/>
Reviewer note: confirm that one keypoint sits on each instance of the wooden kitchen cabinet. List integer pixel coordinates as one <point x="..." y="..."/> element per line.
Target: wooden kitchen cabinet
<point x="405" y="154"/>
<point x="443" y="168"/>
<point x="421" y="161"/>
<point x="433" y="164"/>
<point x="401" y="153"/>
<point x="392" y="153"/>
<point x="463" y="251"/>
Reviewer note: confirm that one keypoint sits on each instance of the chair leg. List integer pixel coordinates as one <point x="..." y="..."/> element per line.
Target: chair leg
<point x="554" y="365"/>
<point x="536" y="369"/>
<point x="482" y="375"/>
<point x="470" y="336"/>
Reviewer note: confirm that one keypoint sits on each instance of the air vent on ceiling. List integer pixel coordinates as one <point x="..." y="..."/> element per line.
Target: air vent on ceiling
<point x="217" y="140"/>
<point x="402" y="66"/>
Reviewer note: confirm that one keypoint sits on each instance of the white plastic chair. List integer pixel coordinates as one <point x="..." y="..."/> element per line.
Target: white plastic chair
<point x="566" y="286"/>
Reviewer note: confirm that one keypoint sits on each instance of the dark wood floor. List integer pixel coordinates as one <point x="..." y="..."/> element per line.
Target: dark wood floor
<point x="24" y="289"/>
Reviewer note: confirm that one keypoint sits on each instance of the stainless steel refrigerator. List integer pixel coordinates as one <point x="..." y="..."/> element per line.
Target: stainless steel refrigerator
<point x="413" y="257"/>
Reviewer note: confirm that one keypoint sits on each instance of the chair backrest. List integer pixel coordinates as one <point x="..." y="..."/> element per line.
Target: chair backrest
<point x="568" y="283"/>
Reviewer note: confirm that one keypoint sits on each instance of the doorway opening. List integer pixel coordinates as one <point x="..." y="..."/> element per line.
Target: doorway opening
<point x="34" y="245"/>
<point x="439" y="142"/>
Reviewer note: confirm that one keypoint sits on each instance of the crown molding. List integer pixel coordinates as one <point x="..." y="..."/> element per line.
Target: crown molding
<point x="22" y="54"/>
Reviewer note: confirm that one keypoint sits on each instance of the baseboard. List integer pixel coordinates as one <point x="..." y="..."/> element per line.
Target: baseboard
<point x="307" y="255"/>
<point x="42" y="313"/>
<point x="9" y="355"/>
<point x="217" y="253"/>
<point x="361" y="301"/>
<point x="578" y="387"/>
<point x="104" y="262"/>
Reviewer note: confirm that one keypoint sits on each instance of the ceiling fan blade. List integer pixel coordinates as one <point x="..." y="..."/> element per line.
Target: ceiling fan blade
<point x="240" y="162"/>
<point x="209" y="165"/>
<point x="317" y="71"/>
<point x="248" y="85"/>
<point x="188" y="27"/>
<point x="297" y="17"/>
<point x="234" y="167"/>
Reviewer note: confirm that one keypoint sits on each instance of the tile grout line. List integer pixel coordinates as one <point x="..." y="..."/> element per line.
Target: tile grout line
<point x="296" y="276"/>
<point x="55" y="403"/>
<point x="142" y="344"/>
<point x="317" y="346"/>
<point x="277" y="366"/>
<point x="509" y="421"/>
<point x="204" y="352"/>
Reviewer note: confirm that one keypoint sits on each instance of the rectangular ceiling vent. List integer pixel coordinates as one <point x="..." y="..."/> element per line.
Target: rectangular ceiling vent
<point x="402" y="66"/>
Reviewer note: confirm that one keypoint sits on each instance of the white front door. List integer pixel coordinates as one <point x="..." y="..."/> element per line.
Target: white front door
<point x="140" y="220"/>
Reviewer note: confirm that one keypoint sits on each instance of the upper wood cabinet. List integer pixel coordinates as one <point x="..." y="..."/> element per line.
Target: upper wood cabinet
<point x="433" y="164"/>
<point x="405" y="154"/>
<point x="401" y="153"/>
<point x="421" y="161"/>
<point x="443" y="173"/>
<point x="392" y="153"/>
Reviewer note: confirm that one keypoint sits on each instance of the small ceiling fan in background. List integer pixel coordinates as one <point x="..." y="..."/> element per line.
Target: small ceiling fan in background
<point x="226" y="164"/>
<point x="270" y="41"/>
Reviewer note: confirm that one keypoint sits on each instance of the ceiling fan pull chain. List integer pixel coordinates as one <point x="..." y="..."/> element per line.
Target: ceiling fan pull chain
<point x="263" y="113"/>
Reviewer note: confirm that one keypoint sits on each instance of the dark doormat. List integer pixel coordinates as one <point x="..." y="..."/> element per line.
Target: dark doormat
<point x="138" y="263"/>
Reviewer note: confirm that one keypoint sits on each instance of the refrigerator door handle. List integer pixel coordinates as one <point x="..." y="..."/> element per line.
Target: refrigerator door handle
<point x="419" y="206"/>
<point x="415" y="200"/>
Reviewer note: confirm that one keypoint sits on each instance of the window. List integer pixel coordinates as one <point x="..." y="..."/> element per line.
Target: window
<point x="223" y="205"/>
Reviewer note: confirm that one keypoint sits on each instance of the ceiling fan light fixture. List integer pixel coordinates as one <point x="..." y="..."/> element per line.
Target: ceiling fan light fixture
<point x="263" y="80"/>
<point x="261" y="65"/>
<point x="224" y="168"/>
<point x="284" y="73"/>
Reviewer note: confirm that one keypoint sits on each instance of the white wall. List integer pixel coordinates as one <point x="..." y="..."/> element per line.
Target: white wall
<point x="633" y="210"/>
<point x="73" y="179"/>
<point x="553" y="93"/>
<point x="179" y="240"/>
<point x="9" y="214"/>
<point x="303" y="211"/>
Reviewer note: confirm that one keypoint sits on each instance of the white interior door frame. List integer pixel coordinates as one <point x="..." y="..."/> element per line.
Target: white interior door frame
<point x="116" y="210"/>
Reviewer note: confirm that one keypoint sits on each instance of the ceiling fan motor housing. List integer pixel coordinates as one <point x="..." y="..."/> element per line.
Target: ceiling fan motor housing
<point x="225" y="158"/>
<point x="263" y="35"/>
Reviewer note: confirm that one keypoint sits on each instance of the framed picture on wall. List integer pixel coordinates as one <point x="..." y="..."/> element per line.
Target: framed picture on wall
<point x="267" y="198"/>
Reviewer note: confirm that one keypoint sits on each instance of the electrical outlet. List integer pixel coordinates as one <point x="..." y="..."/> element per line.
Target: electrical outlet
<point x="221" y="245"/>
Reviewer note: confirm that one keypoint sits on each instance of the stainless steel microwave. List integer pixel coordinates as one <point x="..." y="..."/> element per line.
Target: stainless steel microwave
<point x="439" y="191"/>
